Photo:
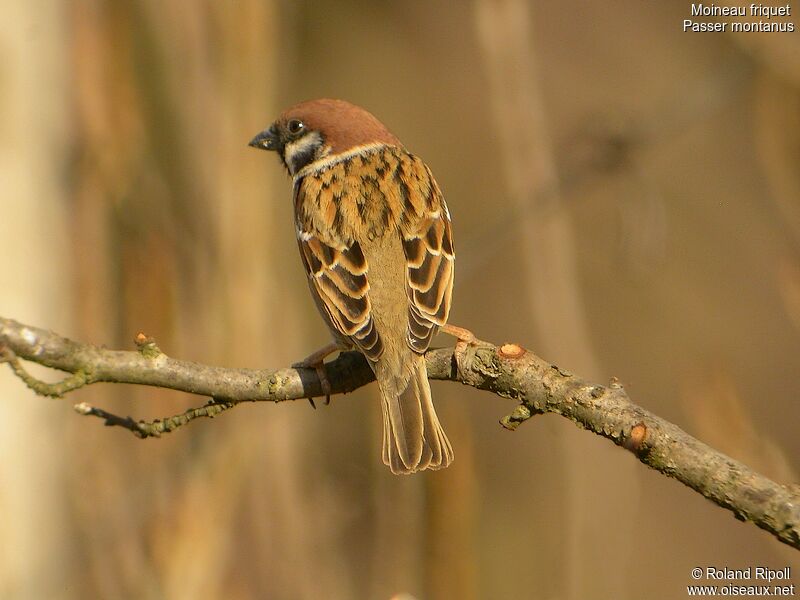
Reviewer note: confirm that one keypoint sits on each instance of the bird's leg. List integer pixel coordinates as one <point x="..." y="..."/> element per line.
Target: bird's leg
<point x="464" y="336"/>
<point x="315" y="361"/>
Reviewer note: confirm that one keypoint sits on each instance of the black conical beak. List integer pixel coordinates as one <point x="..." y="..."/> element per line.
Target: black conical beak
<point x="266" y="140"/>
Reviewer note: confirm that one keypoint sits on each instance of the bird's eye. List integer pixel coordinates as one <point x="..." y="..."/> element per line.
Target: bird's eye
<point x="295" y="126"/>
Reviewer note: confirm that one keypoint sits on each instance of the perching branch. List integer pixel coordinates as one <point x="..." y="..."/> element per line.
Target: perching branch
<point x="509" y="371"/>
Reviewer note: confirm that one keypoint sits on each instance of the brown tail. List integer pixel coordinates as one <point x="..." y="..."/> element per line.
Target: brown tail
<point x="413" y="438"/>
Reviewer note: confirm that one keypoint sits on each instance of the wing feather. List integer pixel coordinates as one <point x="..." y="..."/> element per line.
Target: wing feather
<point x="337" y="277"/>
<point x="428" y="248"/>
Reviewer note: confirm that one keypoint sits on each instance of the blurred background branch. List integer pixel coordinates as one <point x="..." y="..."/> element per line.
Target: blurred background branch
<point x="547" y="237"/>
<point x="508" y="371"/>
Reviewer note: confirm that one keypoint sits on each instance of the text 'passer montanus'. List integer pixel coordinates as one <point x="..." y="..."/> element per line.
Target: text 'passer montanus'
<point x="374" y="236"/>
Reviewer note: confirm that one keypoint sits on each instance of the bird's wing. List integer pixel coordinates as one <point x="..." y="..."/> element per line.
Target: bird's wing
<point x="338" y="278"/>
<point x="428" y="248"/>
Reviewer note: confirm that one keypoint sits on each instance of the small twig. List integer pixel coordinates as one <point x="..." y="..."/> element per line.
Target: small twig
<point x="146" y="429"/>
<point x="519" y="415"/>
<point x="76" y="380"/>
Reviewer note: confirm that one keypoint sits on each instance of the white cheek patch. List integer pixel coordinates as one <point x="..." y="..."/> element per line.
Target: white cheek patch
<point x="299" y="153"/>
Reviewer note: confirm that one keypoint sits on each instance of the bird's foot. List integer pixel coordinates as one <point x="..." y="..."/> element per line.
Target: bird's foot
<point x="316" y="361"/>
<point x="464" y="339"/>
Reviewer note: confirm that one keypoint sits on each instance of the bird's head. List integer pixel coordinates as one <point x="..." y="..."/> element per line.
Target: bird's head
<point x="321" y="130"/>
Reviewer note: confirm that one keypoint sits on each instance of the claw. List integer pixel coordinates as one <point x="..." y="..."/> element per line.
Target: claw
<point x="323" y="381"/>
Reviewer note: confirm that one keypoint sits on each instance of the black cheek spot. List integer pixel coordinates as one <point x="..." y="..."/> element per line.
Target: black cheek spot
<point x="301" y="159"/>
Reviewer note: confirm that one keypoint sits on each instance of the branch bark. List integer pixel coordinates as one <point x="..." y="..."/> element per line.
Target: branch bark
<point x="509" y="371"/>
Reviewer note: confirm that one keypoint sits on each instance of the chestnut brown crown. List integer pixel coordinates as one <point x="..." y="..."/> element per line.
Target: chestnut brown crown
<point x="316" y="129"/>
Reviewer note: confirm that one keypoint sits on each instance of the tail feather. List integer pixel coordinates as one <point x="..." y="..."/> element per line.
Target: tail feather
<point x="413" y="438"/>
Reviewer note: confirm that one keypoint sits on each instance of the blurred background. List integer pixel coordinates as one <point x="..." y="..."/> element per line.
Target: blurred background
<point x="626" y="202"/>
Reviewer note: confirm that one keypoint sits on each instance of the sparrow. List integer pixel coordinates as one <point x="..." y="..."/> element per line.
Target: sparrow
<point x="375" y="239"/>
